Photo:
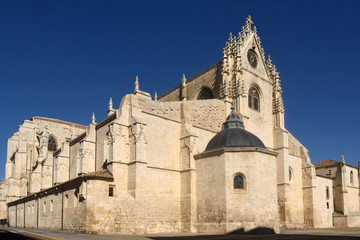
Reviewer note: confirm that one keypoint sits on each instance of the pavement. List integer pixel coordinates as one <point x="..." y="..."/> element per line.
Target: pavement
<point x="7" y="233"/>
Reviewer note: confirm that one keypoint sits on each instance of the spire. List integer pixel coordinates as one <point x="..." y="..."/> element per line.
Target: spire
<point x="155" y="97"/>
<point x="110" y="104"/>
<point x="93" y="119"/>
<point x="136" y="84"/>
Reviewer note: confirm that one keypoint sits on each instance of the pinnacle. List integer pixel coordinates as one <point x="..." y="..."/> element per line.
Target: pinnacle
<point x="93" y="118"/>
<point x="183" y="78"/>
<point x="110" y="104"/>
<point x="155" y="96"/>
<point x="230" y="38"/>
<point x="136" y="84"/>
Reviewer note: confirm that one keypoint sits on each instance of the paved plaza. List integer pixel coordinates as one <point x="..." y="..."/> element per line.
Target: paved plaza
<point x="328" y="234"/>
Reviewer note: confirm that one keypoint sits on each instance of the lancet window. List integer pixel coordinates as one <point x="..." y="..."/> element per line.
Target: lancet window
<point x="254" y="99"/>
<point x="52" y="143"/>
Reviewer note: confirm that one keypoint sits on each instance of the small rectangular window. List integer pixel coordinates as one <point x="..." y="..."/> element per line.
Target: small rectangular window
<point x="51" y="205"/>
<point x="327" y="205"/>
<point x="327" y="193"/>
<point x="111" y="191"/>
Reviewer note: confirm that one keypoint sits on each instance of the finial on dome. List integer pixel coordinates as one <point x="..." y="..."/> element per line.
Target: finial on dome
<point x="93" y="118"/>
<point x="232" y="107"/>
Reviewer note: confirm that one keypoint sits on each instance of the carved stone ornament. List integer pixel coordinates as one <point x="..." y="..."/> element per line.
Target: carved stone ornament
<point x="88" y="152"/>
<point x="137" y="131"/>
<point x="191" y="144"/>
<point x="278" y="105"/>
<point x="42" y="145"/>
<point x="112" y="134"/>
<point x="81" y="153"/>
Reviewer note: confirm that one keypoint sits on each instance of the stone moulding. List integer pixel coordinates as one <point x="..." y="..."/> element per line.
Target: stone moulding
<point x="59" y="121"/>
<point x="99" y="175"/>
<point x="218" y="152"/>
<point x="106" y="121"/>
<point x="77" y="139"/>
<point x="57" y="152"/>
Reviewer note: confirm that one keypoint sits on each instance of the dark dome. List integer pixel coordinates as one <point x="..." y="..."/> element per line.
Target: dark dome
<point x="233" y="135"/>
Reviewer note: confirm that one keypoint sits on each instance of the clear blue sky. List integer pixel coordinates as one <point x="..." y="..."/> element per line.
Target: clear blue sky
<point x="64" y="59"/>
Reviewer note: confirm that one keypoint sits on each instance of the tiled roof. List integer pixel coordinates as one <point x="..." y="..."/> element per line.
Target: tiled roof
<point x="101" y="174"/>
<point x="326" y="163"/>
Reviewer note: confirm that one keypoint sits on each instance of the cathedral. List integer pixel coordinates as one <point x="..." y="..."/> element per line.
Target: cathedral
<point x="211" y="155"/>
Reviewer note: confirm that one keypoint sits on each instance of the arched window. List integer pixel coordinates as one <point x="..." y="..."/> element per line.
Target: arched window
<point x="290" y="174"/>
<point x="205" y="93"/>
<point x="254" y="99"/>
<point x="351" y="177"/>
<point x="238" y="182"/>
<point x="52" y="143"/>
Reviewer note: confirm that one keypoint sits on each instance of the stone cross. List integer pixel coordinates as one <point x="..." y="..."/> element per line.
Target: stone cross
<point x="249" y="21"/>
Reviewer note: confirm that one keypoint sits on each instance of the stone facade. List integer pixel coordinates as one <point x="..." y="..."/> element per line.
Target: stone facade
<point x="145" y="168"/>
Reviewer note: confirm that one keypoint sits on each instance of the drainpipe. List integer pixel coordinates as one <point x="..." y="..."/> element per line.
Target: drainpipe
<point x="62" y="211"/>
<point x="15" y="215"/>
<point x="37" y="213"/>
<point x="24" y="214"/>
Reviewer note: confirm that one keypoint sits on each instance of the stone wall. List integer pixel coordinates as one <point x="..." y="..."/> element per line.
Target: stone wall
<point x="323" y="205"/>
<point x="251" y="207"/>
<point x="211" y="194"/>
<point x="220" y="207"/>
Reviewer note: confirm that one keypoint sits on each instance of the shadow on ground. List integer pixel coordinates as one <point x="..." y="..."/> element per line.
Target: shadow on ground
<point x="6" y="235"/>
<point x="257" y="233"/>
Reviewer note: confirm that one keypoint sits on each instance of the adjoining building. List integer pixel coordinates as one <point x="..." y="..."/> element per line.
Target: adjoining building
<point x="210" y="155"/>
